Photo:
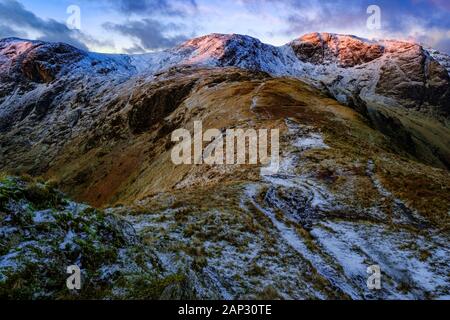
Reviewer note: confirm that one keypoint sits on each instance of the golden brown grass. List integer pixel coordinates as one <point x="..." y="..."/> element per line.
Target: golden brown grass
<point x="139" y="166"/>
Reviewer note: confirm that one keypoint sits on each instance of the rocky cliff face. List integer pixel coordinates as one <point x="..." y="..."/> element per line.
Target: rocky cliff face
<point x="393" y="73"/>
<point x="364" y="179"/>
<point x="345" y="51"/>
<point x="353" y="70"/>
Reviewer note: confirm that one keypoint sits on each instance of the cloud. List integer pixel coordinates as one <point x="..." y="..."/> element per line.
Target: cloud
<point x="21" y="21"/>
<point x="304" y="16"/>
<point x="145" y="25"/>
<point x="150" y="33"/>
<point x="425" y="21"/>
<point x="443" y="4"/>
<point x="6" y="31"/>
<point x="443" y="45"/>
<point x="155" y="24"/>
<point x="146" y="7"/>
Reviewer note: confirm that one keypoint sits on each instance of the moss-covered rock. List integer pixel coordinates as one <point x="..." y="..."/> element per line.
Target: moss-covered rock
<point x="42" y="233"/>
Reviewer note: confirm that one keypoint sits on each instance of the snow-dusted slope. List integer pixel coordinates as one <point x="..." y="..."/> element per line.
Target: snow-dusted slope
<point x="36" y="77"/>
<point x="442" y="58"/>
<point x="220" y="50"/>
<point x="355" y="71"/>
<point x="58" y="58"/>
<point x="100" y="126"/>
<point x="43" y="85"/>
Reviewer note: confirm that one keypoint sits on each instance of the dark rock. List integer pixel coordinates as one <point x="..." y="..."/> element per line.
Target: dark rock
<point x="415" y="80"/>
<point x="152" y="107"/>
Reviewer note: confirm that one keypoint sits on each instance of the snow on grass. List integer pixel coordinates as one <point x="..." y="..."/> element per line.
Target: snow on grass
<point x="311" y="141"/>
<point x="298" y="244"/>
<point x="43" y="216"/>
<point x="158" y="221"/>
<point x="356" y="246"/>
<point x="303" y="138"/>
<point x="402" y="212"/>
<point x="346" y="249"/>
<point x="69" y="241"/>
<point x="9" y="260"/>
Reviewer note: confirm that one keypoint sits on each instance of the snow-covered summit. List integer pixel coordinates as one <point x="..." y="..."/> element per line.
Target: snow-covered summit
<point x="217" y="50"/>
<point x="232" y="50"/>
<point x="353" y="70"/>
<point x="41" y="61"/>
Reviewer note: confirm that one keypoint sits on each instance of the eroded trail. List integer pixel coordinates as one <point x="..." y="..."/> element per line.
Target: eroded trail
<point x="301" y="201"/>
<point x="340" y="250"/>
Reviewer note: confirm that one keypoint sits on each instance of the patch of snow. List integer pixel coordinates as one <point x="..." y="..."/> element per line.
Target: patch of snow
<point x="68" y="242"/>
<point x="442" y="58"/>
<point x="356" y="246"/>
<point x="311" y="141"/>
<point x="9" y="260"/>
<point x="7" y="231"/>
<point x="76" y="208"/>
<point x="43" y="216"/>
<point x="297" y="243"/>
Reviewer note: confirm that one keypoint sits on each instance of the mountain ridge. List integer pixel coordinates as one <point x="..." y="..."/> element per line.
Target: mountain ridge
<point x="37" y="78"/>
<point x="360" y="183"/>
<point x="340" y="64"/>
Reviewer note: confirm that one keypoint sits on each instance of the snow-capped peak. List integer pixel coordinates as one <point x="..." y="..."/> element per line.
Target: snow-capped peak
<point x="350" y="68"/>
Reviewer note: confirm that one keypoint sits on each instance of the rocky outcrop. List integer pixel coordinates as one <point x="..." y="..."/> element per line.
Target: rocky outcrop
<point x="43" y="63"/>
<point x="38" y="61"/>
<point x="392" y="73"/>
<point x="414" y="79"/>
<point x="154" y="104"/>
<point x="345" y="51"/>
<point x="42" y="233"/>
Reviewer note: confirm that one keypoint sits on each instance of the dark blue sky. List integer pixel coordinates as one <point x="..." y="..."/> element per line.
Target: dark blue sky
<point x="146" y="25"/>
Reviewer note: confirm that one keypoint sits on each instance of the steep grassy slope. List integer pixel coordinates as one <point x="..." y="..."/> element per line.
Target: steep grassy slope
<point x="119" y="159"/>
